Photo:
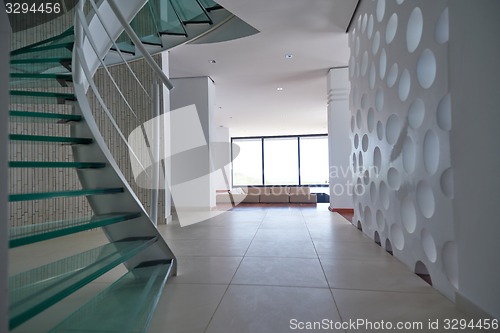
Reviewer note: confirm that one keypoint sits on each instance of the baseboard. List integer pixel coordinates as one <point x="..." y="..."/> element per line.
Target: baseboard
<point x="472" y="309"/>
<point x="341" y="210"/>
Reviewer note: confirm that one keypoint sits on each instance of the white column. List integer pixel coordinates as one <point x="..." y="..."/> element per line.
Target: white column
<point x="4" y="216"/>
<point x="339" y="142"/>
<point x="191" y="134"/>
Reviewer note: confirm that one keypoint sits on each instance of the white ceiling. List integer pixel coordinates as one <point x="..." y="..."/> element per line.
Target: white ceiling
<point x="249" y="70"/>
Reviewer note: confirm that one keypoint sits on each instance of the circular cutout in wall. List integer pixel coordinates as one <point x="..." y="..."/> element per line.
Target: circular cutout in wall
<point x="376" y="43"/>
<point x="384" y="195"/>
<point x="398" y="238"/>
<point x="431" y="151"/>
<point x="379" y="99"/>
<point x="444" y="113"/>
<point x="441" y="34"/>
<point x="364" y="143"/>
<point x="382" y="64"/>
<point x="392" y="76"/>
<point x="377" y="160"/>
<point x="380" y="10"/>
<point x="380" y="130"/>
<point x="393" y="178"/>
<point x="416" y="113"/>
<point x="392" y="129"/>
<point x="425" y="199"/>
<point x="446" y="183"/>
<point x="379" y="218"/>
<point x="404" y="85"/>
<point x="408" y="214"/>
<point x="428" y="245"/>
<point x="426" y="69"/>
<point x="392" y="28"/>
<point x="373" y="192"/>
<point x="409" y="155"/>
<point x="414" y="29"/>
<point x="370" y="120"/>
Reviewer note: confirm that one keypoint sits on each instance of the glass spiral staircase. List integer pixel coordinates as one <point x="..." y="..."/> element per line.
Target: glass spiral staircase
<point x="63" y="179"/>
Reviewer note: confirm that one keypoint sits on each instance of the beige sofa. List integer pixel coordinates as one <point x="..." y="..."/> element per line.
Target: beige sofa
<point x="268" y="194"/>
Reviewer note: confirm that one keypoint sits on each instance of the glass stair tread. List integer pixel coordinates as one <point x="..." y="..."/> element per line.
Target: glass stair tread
<point x="126" y="306"/>
<point x="43" y="164"/>
<point x="41" y="76"/>
<point x="59" y="117"/>
<point x="33" y="291"/>
<point x="49" y="139"/>
<point x="66" y="46"/>
<point x="39" y="65"/>
<point x="39" y="97"/>
<point x="191" y="11"/>
<point x="63" y="194"/>
<point x="210" y="5"/>
<point x="33" y="233"/>
<point x="66" y="35"/>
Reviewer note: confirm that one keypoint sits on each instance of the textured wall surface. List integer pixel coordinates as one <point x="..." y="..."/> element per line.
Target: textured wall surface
<point x="129" y="110"/>
<point x="400" y="124"/>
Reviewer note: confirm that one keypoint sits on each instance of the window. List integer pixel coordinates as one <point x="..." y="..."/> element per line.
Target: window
<point x="281" y="161"/>
<point x="247" y="166"/>
<point x="314" y="160"/>
<point x="285" y="160"/>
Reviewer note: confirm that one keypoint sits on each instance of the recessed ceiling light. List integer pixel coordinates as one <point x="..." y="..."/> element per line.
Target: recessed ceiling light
<point x="289" y="56"/>
<point x="279" y="89"/>
<point x="212" y="61"/>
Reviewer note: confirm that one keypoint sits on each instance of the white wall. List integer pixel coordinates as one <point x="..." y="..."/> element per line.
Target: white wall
<point x="4" y="217"/>
<point x="339" y="142"/>
<point x="475" y="136"/>
<point x="200" y="92"/>
<point x="221" y="154"/>
<point x="401" y="132"/>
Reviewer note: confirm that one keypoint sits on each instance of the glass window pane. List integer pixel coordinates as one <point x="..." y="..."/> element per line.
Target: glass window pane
<point x="281" y="161"/>
<point x="247" y="166"/>
<point x="314" y="160"/>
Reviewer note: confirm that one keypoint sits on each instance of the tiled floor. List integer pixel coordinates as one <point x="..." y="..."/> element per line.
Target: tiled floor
<point x="257" y="269"/>
<point x="267" y="270"/>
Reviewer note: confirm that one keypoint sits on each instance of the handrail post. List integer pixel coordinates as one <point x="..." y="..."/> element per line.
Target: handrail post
<point x="79" y="37"/>
<point x="155" y="147"/>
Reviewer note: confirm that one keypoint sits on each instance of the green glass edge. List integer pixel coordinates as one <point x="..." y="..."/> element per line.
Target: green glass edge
<point x="71" y="230"/>
<point x="62" y="194"/>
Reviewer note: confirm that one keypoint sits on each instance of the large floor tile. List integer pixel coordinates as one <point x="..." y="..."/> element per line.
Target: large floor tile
<point x="389" y="275"/>
<point x="291" y="272"/>
<point x="290" y="235"/>
<point x="263" y="309"/>
<point x="282" y="248"/>
<point x="208" y="270"/>
<point x="394" y="307"/>
<point x="209" y="248"/>
<point x="185" y="308"/>
<point x="199" y="231"/>
<point x="350" y="250"/>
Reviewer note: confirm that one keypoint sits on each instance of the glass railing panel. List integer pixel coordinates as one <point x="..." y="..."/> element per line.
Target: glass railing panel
<point x="126" y="306"/>
<point x="33" y="291"/>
